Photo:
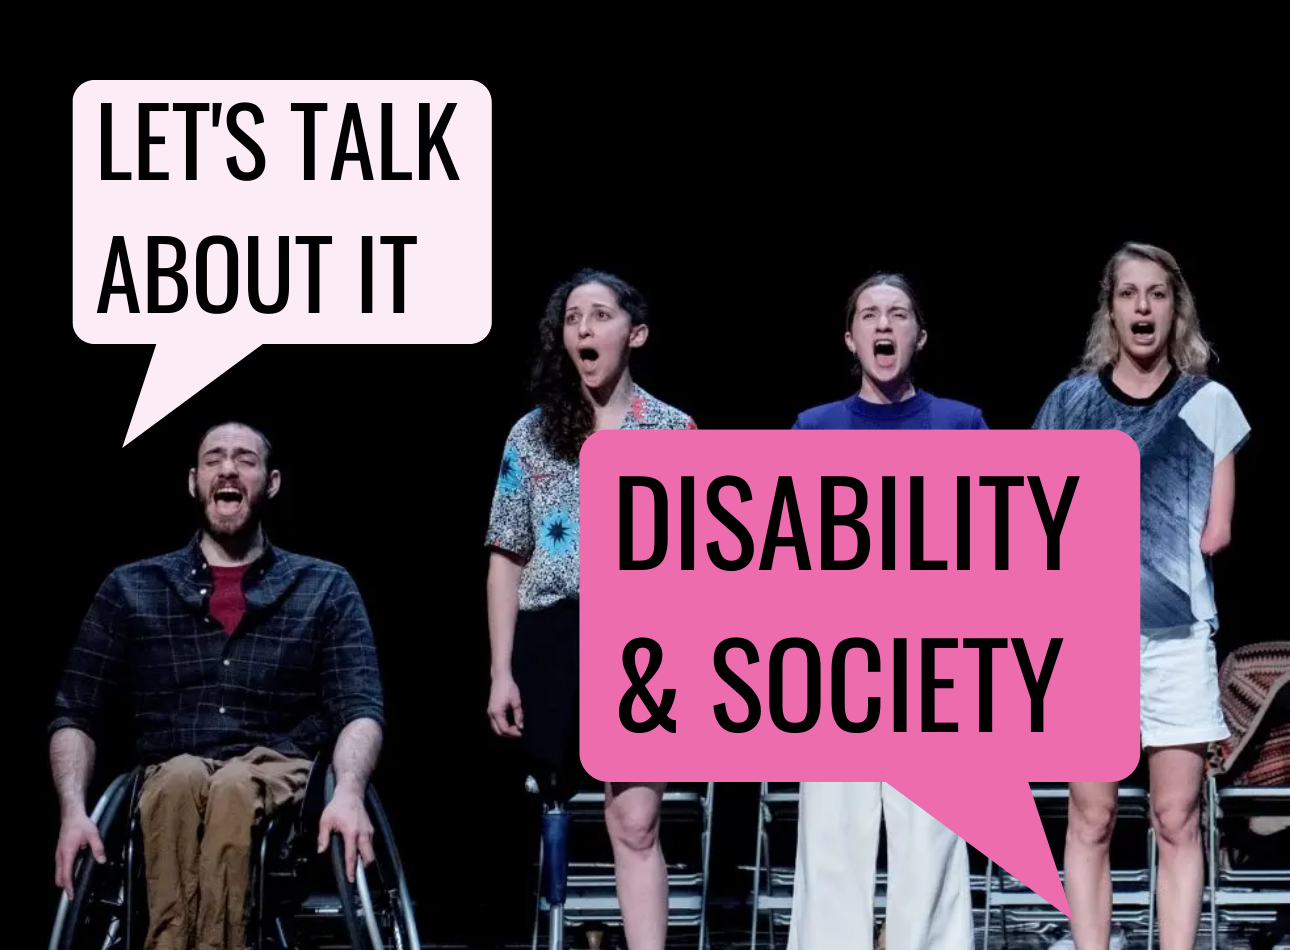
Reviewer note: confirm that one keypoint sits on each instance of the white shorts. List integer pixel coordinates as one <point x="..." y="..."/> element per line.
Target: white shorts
<point x="1180" y="701"/>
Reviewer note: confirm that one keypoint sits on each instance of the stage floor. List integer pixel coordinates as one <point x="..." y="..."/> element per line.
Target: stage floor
<point x="736" y="940"/>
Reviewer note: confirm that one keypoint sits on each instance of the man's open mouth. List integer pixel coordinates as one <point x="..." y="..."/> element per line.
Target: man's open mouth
<point x="228" y="499"/>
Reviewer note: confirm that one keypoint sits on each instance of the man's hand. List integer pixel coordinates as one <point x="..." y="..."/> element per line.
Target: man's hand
<point x="1215" y="538"/>
<point x="76" y="832"/>
<point x="346" y="816"/>
<point x="504" y="696"/>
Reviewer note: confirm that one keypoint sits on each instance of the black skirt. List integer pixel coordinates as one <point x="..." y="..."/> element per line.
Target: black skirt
<point x="544" y="663"/>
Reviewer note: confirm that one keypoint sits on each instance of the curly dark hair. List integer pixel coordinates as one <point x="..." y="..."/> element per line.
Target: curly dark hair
<point x="566" y="417"/>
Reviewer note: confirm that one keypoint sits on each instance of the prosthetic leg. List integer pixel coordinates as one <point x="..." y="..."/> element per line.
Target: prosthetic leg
<point x="556" y="790"/>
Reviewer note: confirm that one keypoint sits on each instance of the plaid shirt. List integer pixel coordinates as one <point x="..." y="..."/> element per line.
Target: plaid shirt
<point x="301" y="666"/>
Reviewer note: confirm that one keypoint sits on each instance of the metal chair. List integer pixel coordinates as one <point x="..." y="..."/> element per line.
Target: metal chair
<point x="1260" y="892"/>
<point x="585" y="889"/>
<point x="774" y="864"/>
<point x="1133" y="889"/>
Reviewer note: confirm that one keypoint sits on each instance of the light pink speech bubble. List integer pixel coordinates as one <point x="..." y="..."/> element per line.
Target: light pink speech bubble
<point x="428" y="148"/>
<point x="1080" y="585"/>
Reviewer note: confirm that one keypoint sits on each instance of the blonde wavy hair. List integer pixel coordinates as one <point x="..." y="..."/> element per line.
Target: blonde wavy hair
<point x="1189" y="351"/>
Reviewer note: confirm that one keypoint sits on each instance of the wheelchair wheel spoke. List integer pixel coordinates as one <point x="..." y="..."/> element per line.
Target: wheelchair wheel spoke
<point x="100" y="925"/>
<point x="400" y="943"/>
<point x="114" y="936"/>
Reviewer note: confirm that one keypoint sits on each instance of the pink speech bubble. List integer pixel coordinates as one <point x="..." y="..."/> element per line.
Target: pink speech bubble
<point x="447" y="273"/>
<point x="974" y="779"/>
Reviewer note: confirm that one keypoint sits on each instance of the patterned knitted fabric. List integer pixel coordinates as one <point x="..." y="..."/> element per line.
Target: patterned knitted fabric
<point x="1251" y="680"/>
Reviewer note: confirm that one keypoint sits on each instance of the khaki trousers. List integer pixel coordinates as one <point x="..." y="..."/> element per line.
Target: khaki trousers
<point x="197" y="817"/>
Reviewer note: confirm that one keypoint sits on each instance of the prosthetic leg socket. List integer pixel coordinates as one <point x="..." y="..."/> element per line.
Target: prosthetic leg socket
<point x="555" y="847"/>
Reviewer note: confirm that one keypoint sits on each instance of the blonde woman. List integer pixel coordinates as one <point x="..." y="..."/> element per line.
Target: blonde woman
<point x="1143" y="373"/>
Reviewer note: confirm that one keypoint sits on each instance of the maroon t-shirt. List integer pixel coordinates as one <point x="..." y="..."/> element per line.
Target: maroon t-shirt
<point x="228" y="601"/>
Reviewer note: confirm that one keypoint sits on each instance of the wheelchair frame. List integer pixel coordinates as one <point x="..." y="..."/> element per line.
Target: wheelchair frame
<point x="284" y="860"/>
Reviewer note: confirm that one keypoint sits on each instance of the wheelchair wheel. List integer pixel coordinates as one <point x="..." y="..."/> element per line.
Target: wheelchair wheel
<point x="377" y="906"/>
<point x="104" y="912"/>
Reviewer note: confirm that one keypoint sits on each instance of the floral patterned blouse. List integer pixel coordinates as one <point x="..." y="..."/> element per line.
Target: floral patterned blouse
<point x="535" y="502"/>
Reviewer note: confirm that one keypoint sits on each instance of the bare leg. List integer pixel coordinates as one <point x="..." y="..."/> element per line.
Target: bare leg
<point x="632" y="815"/>
<point x="1176" y="775"/>
<point x="1088" y="862"/>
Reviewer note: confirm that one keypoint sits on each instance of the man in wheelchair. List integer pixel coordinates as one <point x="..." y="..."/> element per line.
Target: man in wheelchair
<point x="239" y="660"/>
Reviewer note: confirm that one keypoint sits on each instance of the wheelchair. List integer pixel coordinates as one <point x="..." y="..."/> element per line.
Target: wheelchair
<point x="297" y="899"/>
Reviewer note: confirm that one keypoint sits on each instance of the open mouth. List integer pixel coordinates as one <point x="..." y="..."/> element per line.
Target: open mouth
<point x="1143" y="330"/>
<point x="588" y="356"/>
<point x="227" y="499"/>
<point x="884" y="352"/>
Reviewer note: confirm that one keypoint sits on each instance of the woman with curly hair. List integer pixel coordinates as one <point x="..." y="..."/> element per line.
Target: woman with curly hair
<point x="1143" y="373"/>
<point x="582" y="383"/>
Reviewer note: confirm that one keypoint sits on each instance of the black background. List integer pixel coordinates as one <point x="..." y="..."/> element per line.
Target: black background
<point x="746" y="220"/>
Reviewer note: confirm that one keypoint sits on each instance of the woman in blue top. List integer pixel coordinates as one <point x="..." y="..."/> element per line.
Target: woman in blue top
<point x="885" y="331"/>
<point x="1143" y="373"/>
<point x="929" y="902"/>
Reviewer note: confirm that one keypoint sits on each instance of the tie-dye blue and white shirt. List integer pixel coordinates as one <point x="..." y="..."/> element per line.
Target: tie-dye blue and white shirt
<point x="535" y="502"/>
<point x="1183" y="430"/>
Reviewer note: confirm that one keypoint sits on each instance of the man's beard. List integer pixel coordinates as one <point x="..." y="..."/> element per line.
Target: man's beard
<point x="239" y="526"/>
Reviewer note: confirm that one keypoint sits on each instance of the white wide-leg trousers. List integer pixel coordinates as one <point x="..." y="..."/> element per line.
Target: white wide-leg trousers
<point x="929" y="901"/>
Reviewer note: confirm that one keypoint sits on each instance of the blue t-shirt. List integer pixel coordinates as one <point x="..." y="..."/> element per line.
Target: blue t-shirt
<point x="920" y="411"/>
<point x="1183" y="430"/>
